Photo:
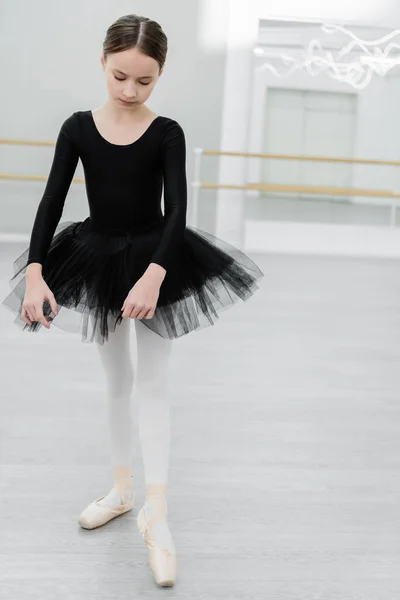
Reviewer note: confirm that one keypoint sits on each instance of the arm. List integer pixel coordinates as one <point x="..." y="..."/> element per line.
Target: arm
<point x="175" y="199"/>
<point x="52" y="203"/>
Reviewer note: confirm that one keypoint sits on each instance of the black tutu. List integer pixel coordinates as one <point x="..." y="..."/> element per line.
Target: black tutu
<point x="91" y="270"/>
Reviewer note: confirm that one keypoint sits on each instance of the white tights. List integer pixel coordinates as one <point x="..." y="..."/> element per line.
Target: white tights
<point x="150" y="383"/>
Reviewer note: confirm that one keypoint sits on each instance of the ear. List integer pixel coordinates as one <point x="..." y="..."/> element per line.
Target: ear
<point x="103" y="62"/>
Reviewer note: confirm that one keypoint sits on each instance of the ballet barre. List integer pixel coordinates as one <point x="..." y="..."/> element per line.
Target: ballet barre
<point x="305" y="189"/>
<point x="12" y="142"/>
<point x="16" y="177"/>
<point x="333" y="159"/>
<point x="261" y="187"/>
<point x="199" y="151"/>
<point x="267" y="187"/>
<point x="197" y="184"/>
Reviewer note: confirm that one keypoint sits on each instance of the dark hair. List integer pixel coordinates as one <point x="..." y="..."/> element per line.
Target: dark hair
<point x="132" y="31"/>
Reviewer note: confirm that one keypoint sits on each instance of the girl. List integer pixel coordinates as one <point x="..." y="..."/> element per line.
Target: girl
<point x="128" y="260"/>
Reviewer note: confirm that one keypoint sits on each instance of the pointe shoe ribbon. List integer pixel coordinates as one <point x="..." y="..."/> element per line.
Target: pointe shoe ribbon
<point x="163" y="562"/>
<point x="95" y="515"/>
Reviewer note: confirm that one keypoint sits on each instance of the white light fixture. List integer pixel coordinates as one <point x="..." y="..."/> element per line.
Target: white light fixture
<point x="354" y="64"/>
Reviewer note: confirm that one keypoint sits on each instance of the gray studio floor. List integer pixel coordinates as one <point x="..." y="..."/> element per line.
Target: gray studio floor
<point x="285" y="459"/>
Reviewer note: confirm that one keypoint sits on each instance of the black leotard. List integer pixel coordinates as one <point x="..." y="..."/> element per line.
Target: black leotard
<point x="123" y="183"/>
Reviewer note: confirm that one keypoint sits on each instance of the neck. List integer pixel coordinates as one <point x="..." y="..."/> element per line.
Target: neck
<point x="122" y="114"/>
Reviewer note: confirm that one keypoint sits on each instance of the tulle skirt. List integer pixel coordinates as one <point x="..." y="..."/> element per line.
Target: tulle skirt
<point x="91" y="269"/>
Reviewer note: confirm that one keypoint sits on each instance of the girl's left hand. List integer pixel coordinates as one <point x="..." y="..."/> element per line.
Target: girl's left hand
<point x="142" y="300"/>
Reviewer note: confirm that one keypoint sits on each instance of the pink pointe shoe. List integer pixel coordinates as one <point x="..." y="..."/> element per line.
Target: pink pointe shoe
<point x="95" y="514"/>
<point x="163" y="562"/>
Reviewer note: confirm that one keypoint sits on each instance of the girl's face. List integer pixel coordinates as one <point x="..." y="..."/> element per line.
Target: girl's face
<point x="131" y="77"/>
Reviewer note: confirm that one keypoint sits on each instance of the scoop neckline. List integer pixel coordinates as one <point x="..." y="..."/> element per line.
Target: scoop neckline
<point x="120" y="145"/>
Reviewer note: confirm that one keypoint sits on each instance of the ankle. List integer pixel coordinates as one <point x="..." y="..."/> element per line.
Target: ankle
<point x="122" y="473"/>
<point x="156" y="501"/>
<point x="156" y="491"/>
<point x="123" y="480"/>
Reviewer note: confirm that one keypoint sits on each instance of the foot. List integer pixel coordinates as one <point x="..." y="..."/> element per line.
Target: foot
<point x="159" y="529"/>
<point x="116" y="496"/>
<point x="118" y="501"/>
<point x="153" y="526"/>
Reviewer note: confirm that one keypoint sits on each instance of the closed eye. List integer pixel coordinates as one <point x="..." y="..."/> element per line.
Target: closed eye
<point x="141" y="82"/>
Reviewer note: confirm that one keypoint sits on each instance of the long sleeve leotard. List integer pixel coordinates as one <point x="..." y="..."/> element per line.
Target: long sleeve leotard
<point x="124" y="184"/>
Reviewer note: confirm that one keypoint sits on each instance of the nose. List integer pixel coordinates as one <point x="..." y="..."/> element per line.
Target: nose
<point x="129" y="94"/>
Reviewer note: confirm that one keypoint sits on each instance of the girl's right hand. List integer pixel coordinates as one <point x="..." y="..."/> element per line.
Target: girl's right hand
<point x="32" y="307"/>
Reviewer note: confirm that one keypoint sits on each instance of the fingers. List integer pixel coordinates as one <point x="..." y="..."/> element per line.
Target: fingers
<point x="41" y="318"/>
<point x="145" y="313"/>
<point x="140" y="312"/>
<point x="53" y="303"/>
<point x="25" y="316"/>
<point x="126" y="311"/>
<point x="134" y="314"/>
<point x="137" y="312"/>
<point x="129" y="310"/>
<point x="30" y="314"/>
<point x="29" y="311"/>
<point x="32" y="306"/>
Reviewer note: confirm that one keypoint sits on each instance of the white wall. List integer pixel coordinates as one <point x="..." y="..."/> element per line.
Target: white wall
<point x="49" y="55"/>
<point x="385" y="13"/>
<point x="377" y="124"/>
<point x="376" y="12"/>
<point x="50" y="67"/>
<point x="378" y="132"/>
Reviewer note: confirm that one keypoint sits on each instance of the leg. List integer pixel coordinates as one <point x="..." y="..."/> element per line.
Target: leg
<point x="153" y="358"/>
<point x="154" y="354"/>
<point x="116" y="361"/>
<point x="117" y="364"/>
